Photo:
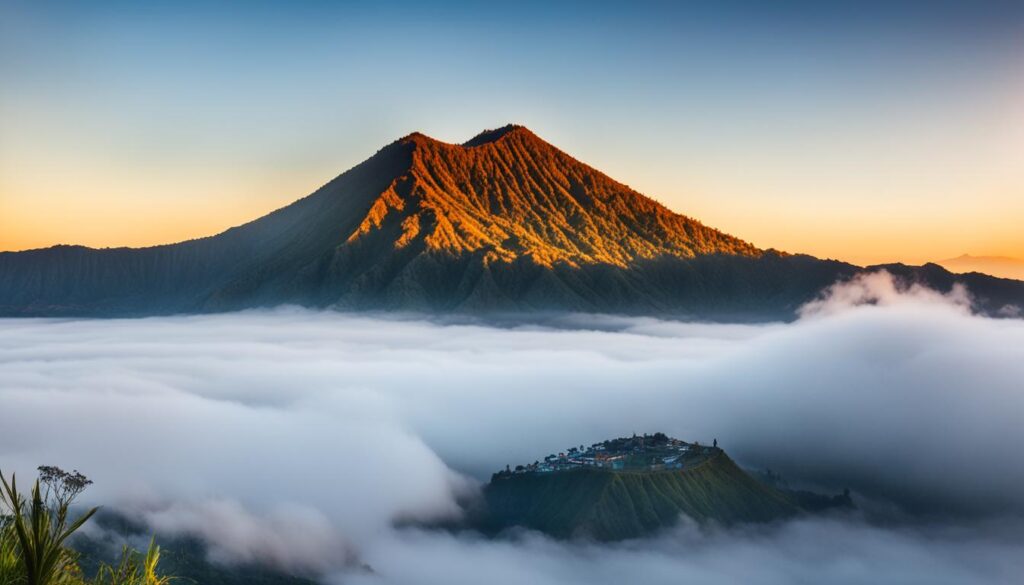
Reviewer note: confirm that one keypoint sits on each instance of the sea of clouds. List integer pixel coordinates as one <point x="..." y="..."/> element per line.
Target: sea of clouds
<point x="298" y="438"/>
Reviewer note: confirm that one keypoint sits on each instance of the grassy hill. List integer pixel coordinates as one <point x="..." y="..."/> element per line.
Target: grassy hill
<point x="615" y="505"/>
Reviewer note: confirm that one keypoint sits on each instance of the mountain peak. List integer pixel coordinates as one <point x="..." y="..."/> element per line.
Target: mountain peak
<point x="508" y="195"/>
<point x="489" y="136"/>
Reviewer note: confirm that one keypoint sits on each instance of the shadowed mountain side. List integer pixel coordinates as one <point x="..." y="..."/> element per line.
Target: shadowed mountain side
<point x="718" y="286"/>
<point x="504" y="223"/>
<point x="714" y="286"/>
<point x="1001" y="297"/>
<point x="264" y="261"/>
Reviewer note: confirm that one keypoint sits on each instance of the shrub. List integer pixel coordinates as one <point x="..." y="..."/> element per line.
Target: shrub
<point x="40" y="534"/>
<point x="133" y="568"/>
<point x="34" y="530"/>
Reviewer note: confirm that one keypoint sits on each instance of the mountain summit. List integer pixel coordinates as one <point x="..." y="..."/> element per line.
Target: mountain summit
<point x="502" y="222"/>
<point x="509" y="195"/>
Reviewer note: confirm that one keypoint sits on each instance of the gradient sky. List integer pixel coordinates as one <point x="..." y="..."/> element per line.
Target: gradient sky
<point x="866" y="131"/>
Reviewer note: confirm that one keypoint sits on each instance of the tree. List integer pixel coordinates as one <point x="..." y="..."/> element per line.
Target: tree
<point x="60" y="487"/>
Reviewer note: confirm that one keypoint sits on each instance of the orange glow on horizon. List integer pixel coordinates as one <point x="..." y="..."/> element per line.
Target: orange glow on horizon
<point x="856" y="235"/>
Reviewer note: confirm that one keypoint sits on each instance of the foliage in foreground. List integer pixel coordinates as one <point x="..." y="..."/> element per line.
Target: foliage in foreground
<point x="133" y="569"/>
<point x="34" y="531"/>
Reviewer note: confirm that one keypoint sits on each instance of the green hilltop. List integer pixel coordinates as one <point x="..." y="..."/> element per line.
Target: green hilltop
<point x="606" y="503"/>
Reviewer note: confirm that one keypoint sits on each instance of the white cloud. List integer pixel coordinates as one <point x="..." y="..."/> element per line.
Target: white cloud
<point x="882" y="289"/>
<point x="248" y="427"/>
<point x="295" y="538"/>
<point x="834" y="551"/>
<point x="1012" y="311"/>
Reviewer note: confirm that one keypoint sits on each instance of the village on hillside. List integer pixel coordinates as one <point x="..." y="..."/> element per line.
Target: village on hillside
<point x="655" y="452"/>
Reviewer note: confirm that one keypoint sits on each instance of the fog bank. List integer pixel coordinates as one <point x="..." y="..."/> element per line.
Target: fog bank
<point x="297" y="437"/>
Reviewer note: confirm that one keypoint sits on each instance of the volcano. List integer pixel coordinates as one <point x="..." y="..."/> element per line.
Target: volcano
<point x="502" y="223"/>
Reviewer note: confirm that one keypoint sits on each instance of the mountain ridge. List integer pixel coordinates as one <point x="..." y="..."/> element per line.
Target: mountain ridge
<point x="504" y="222"/>
<point x="998" y="266"/>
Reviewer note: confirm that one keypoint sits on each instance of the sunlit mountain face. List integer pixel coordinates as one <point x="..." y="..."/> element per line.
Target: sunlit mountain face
<point x="508" y="194"/>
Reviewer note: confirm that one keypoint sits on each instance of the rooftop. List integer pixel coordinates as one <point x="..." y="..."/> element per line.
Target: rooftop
<point x="648" y="452"/>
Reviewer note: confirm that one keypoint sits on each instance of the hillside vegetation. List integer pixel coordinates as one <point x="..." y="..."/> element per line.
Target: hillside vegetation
<point x="614" y="505"/>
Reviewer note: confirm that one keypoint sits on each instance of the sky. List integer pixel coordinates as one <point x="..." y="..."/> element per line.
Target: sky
<point x="864" y="131"/>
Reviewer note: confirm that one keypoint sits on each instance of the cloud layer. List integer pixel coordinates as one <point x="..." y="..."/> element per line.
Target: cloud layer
<point x="805" y="551"/>
<point x="298" y="437"/>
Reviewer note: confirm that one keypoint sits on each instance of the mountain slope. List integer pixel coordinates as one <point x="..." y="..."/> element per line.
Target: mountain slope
<point x="511" y="195"/>
<point x="610" y="505"/>
<point x="191" y="276"/>
<point x="504" y="222"/>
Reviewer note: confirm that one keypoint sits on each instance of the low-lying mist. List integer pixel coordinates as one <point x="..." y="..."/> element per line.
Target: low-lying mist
<point x="297" y="438"/>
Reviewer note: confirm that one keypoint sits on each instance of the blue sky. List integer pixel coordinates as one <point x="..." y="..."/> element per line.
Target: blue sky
<point x="869" y="131"/>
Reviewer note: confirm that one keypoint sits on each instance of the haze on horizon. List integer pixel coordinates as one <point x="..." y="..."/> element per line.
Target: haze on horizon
<point x="870" y="134"/>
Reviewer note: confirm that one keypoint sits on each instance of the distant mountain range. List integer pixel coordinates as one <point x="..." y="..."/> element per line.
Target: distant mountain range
<point x="1001" y="266"/>
<point x="503" y="223"/>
